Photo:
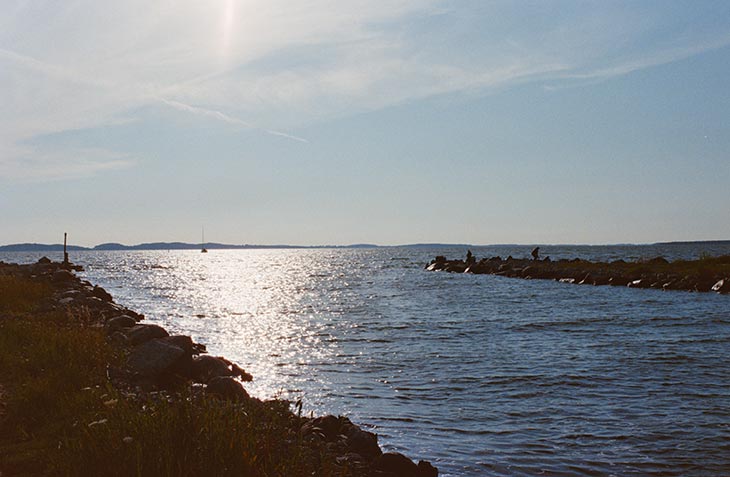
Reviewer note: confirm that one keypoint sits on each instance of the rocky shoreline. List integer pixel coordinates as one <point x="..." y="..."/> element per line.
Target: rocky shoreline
<point x="174" y="366"/>
<point x="710" y="274"/>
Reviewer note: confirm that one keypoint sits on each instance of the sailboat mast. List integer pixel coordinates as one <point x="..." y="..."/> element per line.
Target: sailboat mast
<point x="202" y="241"/>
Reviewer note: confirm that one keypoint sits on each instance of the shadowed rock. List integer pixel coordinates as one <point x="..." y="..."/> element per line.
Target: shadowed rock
<point x="226" y="388"/>
<point x="205" y="368"/>
<point x="120" y="322"/>
<point x="142" y="333"/>
<point x="154" y="358"/>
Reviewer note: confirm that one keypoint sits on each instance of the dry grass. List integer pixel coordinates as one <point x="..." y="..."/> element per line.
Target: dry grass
<point x="63" y="418"/>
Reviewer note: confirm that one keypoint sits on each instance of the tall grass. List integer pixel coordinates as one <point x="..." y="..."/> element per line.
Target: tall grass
<point x="64" y="418"/>
<point x="193" y="437"/>
<point x="20" y="294"/>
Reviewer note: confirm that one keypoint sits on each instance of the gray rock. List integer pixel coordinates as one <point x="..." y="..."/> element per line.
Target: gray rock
<point x="154" y="358"/>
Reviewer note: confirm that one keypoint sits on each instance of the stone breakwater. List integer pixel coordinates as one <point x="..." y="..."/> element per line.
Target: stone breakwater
<point x="710" y="274"/>
<point x="158" y="363"/>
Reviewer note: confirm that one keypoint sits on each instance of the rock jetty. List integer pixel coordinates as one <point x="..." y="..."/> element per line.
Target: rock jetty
<point x="158" y="363"/>
<point x="708" y="274"/>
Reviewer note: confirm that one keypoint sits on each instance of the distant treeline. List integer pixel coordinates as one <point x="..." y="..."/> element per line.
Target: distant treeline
<point x="40" y="247"/>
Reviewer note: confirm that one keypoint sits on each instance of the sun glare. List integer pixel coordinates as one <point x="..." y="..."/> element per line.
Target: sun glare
<point x="229" y="9"/>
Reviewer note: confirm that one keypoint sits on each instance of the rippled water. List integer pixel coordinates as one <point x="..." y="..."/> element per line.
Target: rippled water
<point x="483" y="375"/>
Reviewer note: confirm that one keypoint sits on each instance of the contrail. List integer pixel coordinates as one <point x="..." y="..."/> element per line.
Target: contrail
<point x="210" y="113"/>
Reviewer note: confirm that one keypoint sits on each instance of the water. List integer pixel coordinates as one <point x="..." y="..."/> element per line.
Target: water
<point x="483" y="375"/>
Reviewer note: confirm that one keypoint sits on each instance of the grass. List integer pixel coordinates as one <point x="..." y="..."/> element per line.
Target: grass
<point x="20" y="294"/>
<point x="64" y="418"/>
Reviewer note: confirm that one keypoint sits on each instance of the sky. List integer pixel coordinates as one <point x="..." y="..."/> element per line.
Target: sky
<point x="364" y="121"/>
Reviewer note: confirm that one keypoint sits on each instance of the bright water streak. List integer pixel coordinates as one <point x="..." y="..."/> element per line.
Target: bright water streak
<point x="483" y="375"/>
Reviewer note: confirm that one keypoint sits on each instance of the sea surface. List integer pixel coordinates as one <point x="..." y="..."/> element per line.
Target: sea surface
<point x="482" y="375"/>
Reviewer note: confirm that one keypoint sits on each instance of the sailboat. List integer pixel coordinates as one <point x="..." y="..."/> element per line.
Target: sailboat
<point x="202" y="243"/>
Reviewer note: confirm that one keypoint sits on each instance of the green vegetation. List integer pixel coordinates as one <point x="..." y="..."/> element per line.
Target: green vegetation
<point x="62" y="417"/>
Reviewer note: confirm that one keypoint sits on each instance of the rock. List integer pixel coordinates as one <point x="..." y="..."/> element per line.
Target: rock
<point x="328" y="426"/>
<point x="119" y="338"/>
<point x="394" y="463"/>
<point x="723" y="286"/>
<point x="119" y="322"/>
<point x="618" y="281"/>
<point x="227" y="388"/>
<point x="100" y="293"/>
<point x="153" y="358"/>
<point x="351" y="459"/>
<point x="425" y="469"/>
<point x="63" y="276"/>
<point x="455" y="267"/>
<point x="184" y="366"/>
<point x="66" y="301"/>
<point x="205" y="368"/>
<point x="142" y="333"/>
<point x="181" y="341"/>
<point x="527" y="272"/>
<point x="44" y="260"/>
<point x="363" y="442"/>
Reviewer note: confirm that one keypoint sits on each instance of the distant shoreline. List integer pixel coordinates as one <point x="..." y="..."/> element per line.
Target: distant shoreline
<point x="38" y="247"/>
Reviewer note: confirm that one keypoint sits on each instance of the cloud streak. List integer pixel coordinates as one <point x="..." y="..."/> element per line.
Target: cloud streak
<point x="282" y="65"/>
<point x="219" y="116"/>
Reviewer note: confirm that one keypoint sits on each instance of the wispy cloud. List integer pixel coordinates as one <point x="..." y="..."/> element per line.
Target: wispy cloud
<point x="281" y="64"/>
<point x="219" y="116"/>
<point x="30" y="164"/>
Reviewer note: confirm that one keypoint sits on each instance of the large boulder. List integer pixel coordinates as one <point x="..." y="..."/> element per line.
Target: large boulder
<point x="154" y="358"/>
<point x="120" y="322"/>
<point x="139" y="334"/>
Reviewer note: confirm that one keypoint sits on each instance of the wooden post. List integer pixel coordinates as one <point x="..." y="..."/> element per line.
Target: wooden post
<point x="65" y="253"/>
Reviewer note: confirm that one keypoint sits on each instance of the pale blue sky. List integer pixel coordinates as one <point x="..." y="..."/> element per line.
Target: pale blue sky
<point x="335" y="122"/>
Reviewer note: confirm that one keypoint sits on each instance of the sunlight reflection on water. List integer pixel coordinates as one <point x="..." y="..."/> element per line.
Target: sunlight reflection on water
<point x="481" y="374"/>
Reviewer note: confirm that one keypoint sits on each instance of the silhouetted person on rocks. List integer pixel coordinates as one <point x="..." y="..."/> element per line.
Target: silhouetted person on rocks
<point x="469" y="258"/>
<point x="535" y="253"/>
